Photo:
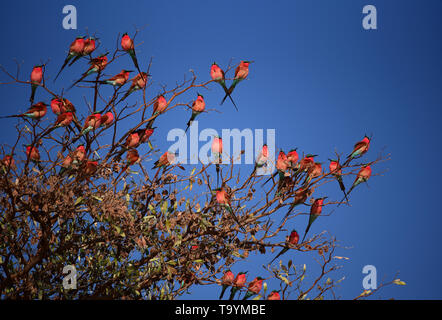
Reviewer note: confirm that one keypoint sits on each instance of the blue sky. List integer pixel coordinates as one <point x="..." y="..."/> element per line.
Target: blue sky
<point x="319" y="79"/>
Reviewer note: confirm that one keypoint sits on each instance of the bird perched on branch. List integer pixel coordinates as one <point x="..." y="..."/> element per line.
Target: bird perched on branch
<point x="36" y="79"/>
<point x="241" y="73"/>
<point x="315" y="211"/>
<point x="128" y="45"/>
<point x="359" y="149"/>
<point x="292" y="240"/>
<point x="226" y="281"/>
<point x="97" y="65"/>
<point x="36" y="112"/>
<point x="198" y="106"/>
<point x="75" y="49"/>
<point x="217" y="75"/>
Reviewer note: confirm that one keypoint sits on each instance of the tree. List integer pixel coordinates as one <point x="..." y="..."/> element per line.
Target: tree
<point x="71" y="198"/>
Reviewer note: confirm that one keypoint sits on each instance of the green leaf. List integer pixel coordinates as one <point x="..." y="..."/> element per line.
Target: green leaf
<point x="97" y="198"/>
<point x="78" y="201"/>
<point x="399" y="282"/>
<point x="164" y="206"/>
<point x="258" y="297"/>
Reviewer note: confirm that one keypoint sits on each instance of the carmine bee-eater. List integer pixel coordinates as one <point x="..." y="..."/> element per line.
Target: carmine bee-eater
<point x="217" y="151"/>
<point x="36" y="111"/>
<point x="306" y="162"/>
<point x="363" y="175"/>
<point x="226" y="281"/>
<point x="128" y="45"/>
<point x="64" y="119"/>
<point x="117" y="80"/>
<point x="7" y="163"/>
<point x="261" y="159"/>
<point x="132" y="140"/>
<point x="238" y="283"/>
<point x="241" y="72"/>
<point x="315" y="211"/>
<point x="274" y="295"/>
<point x="89" y="47"/>
<point x="292" y="240"/>
<point x="34" y="155"/>
<point x="254" y="288"/>
<point x="66" y="164"/>
<point x="145" y="134"/>
<point x="79" y="154"/>
<point x="168" y="158"/>
<point x="97" y="65"/>
<point x="223" y="199"/>
<point x="89" y="168"/>
<point x="138" y="83"/>
<point x="76" y="49"/>
<point x="335" y="169"/>
<point x="36" y="79"/>
<point x="132" y="157"/>
<point x="313" y="171"/>
<point x="217" y="75"/>
<point x="301" y="195"/>
<point x="159" y="106"/>
<point x="292" y="158"/>
<point x="92" y="122"/>
<point x="198" y="106"/>
<point x="63" y="105"/>
<point x="281" y="167"/>
<point x="106" y="119"/>
<point x="359" y="149"/>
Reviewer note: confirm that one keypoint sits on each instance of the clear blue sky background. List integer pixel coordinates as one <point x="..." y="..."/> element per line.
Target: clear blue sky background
<point x="320" y="79"/>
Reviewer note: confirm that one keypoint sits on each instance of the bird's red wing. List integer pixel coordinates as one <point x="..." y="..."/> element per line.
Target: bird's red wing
<point x="237" y="70"/>
<point x="359" y="145"/>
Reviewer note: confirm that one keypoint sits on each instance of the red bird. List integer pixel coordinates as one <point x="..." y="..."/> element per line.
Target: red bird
<point x="217" y="75"/>
<point x="7" y="162"/>
<point x="238" y="283"/>
<point x="97" y="65"/>
<point x="90" y="168"/>
<point x="359" y="149"/>
<point x="226" y="280"/>
<point x="198" y="106"/>
<point x="292" y="240"/>
<point x="36" y="79"/>
<point x="336" y="171"/>
<point x="36" y="111"/>
<point x="363" y="175"/>
<point x="241" y="72"/>
<point x="217" y="151"/>
<point x="107" y="119"/>
<point x="89" y="47"/>
<point x="64" y="119"/>
<point x="128" y="45"/>
<point x="132" y="140"/>
<point x="92" y="122"/>
<point x="159" y="106"/>
<point x="292" y="158"/>
<point x="274" y="295"/>
<point x="254" y="287"/>
<point x="79" y="154"/>
<point x="75" y="49"/>
<point x="315" y="211"/>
